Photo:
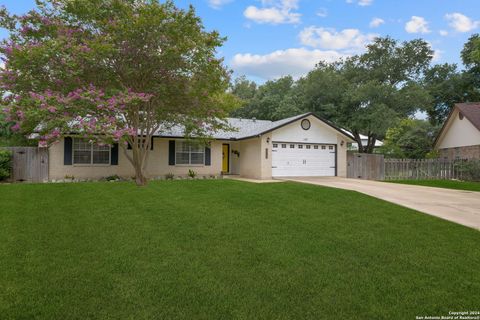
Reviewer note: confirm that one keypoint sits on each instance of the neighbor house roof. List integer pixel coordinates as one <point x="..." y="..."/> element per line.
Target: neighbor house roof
<point x="247" y="128"/>
<point x="470" y="110"/>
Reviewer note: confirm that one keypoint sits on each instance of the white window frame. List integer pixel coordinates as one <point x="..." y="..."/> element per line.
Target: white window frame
<point x="179" y="149"/>
<point x="91" y="156"/>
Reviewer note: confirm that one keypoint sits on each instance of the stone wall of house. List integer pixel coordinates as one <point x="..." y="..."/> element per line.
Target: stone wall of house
<point x="468" y="152"/>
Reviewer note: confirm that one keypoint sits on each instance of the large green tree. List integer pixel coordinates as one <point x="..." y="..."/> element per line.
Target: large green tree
<point x="409" y="138"/>
<point x="369" y="93"/>
<point x="112" y="70"/>
<point x="447" y="85"/>
<point x="273" y="100"/>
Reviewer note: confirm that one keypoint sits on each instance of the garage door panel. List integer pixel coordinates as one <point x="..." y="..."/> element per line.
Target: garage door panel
<point x="306" y="160"/>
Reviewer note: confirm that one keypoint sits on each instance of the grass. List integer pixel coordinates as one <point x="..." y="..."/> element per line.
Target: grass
<point x="226" y="250"/>
<point x="447" y="184"/>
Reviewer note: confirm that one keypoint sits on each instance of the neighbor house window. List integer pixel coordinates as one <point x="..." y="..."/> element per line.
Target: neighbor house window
<point x="275" y="145"/>
<point x="189" y="153"/>
<point x="85" y="152"/>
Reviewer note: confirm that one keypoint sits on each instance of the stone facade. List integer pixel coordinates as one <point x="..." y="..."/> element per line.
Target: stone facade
<point x="468" y="152"/>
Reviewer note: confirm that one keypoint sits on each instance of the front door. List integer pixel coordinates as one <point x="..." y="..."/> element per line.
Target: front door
<point x="225" y="158"/>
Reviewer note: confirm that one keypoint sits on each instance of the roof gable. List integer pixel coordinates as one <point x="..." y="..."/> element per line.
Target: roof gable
<point x="470" y="112"/>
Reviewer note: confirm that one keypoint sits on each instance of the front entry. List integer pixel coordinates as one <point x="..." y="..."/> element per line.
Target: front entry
<point x="225" y="158"/>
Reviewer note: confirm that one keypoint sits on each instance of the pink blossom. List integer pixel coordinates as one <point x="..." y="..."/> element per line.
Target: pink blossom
<point x="20" y="115"/>
<point x="55" y="133"/>
<point x="37" y="96"/>
<point x="117" y="135"/>
<point x="42" y="144"/>
<point x="15" y="127"/>
<point x="52" y="109"/>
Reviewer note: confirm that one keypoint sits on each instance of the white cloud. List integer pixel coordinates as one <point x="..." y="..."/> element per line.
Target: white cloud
<point x="274" y="12"/>
<point x="362" y="3"/>
<point x="322" y="12"/>
<point x="417" y="25"/>
<point x="295" y="62"/>
<point x="443" y="33"/>
<point x="376" y="22"/>
<point x="460" y="22"/>
<point x="437" y="55"/>
<point x="347" y="39"/>
<point x="217" y="4"/>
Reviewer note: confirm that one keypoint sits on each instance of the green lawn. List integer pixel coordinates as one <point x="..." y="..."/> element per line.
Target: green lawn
<point x="448" y="184"/>
<point x="226" y="249"/>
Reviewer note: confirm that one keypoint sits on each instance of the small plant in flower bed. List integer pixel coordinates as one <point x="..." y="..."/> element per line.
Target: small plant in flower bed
<point x="114" y="177"/>
<point x="192" y="174"/>
<point x="169" y="176"/>
<point x="5" y="164"/>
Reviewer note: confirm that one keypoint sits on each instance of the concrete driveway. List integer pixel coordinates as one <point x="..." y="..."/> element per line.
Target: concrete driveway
<point x="459" y="206"/>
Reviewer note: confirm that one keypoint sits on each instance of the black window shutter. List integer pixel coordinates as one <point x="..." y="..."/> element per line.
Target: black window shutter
<point x="114" y="155"/>
<point x="208" y="157"/>
<point x="171" y="152"/>
<point x="151" y="144"/>
<point x="67" y="151"/>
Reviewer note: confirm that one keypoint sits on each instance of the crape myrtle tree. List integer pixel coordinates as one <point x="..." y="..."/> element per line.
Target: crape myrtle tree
<point x="112" y="71"/>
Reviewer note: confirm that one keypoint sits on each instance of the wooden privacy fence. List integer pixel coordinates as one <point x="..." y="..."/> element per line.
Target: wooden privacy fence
<point x="396" y="169"/>
<point x="376" y="167"/>
<point x="29" y="164"/>
<point x="365" y="166"/>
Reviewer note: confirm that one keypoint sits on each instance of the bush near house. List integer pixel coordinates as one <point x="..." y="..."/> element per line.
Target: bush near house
<point x="469" y="170"/>
<point x="5" y="164"/>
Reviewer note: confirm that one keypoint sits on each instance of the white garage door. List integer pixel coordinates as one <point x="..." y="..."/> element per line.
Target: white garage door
<point x="300" y="159"/>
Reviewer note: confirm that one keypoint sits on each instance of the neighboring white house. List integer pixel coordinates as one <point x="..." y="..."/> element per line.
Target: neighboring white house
<point x="354" y="145"/>
<point x="304" y="145"/>
<point x="459" y="137"/>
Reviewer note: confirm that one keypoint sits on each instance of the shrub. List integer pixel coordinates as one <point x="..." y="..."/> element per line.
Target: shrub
<point x="112" y="178"/>
<point x="5" y="164"/>
<point x="169" y="176"/>
<point x="191" y="173"/>
<point x="469" y="170"/>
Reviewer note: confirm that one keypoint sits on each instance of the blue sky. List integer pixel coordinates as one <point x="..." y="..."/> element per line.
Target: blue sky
<point x="271" y="38"/>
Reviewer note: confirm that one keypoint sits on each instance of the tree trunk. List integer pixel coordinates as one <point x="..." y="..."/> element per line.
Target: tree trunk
<point x="140" y="178"/>
<point x="137" y="161"/>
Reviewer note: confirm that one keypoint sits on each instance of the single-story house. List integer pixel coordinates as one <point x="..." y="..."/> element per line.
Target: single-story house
<point x="304" y="145"/>
<point x="459" y="137"/>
